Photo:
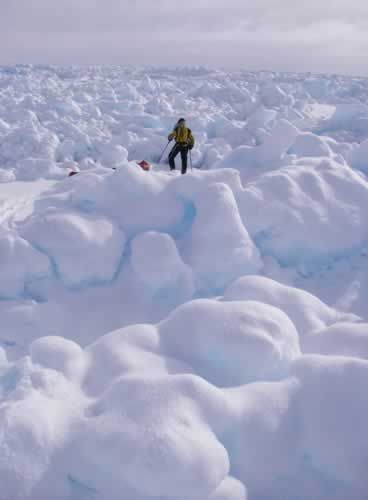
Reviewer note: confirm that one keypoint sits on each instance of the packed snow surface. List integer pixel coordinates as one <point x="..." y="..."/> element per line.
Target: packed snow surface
<point x="183" y="337"/>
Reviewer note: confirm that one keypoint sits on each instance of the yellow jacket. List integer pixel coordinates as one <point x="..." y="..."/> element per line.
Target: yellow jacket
<point x="182" y="135"/>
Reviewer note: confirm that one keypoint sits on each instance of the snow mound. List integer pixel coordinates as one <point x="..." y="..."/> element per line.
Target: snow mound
<point x="20" y="264"/>
<point x="312" y="212"/>
<point x="29" y="139"/>
<point x="95" y="422"/>
<point x="308" y="144"/>
<point x="220" y="246"/>
<point x="159" y="269"/>
<point x="150" y="233"/>
<point x="61" y="355"/>
<point x="161" y="430"/>
<point x="333" y="413"/>
<point x="308" y="313"/>
<point x="232" y="343"/>
<point x="83" y="249"/>
<point x="347" y="115"/>
<point x="341" y="339"/>
<point x="270" y="153"/>
<point x="31" y="168"/>
<point x="273" y="96"/>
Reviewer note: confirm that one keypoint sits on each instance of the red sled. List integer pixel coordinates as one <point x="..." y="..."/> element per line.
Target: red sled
<point x="144" y="165"/>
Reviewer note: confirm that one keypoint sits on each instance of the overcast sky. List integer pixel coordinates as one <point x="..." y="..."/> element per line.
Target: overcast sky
<point x="287" y="35"/>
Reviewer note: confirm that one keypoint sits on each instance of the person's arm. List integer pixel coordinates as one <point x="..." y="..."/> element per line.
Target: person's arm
<point x="172" y="135"/>
<point x="191" y="140"/>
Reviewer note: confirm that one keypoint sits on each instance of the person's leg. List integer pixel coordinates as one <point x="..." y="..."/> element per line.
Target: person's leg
<point x="184" y="160"/>
<point x="173" y="153"/>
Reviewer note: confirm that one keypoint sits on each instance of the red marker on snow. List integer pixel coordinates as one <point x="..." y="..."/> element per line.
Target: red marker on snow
<point x="144" y="165"/>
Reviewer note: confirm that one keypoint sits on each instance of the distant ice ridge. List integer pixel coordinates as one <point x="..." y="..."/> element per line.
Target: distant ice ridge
<point x="55" y="120"/>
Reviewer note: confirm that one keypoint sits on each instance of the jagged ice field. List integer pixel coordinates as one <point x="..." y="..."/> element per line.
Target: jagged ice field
<point x="169" y="337"/>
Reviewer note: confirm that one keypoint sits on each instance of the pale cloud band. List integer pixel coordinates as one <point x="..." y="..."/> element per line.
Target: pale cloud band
<point x="259" y="34"/>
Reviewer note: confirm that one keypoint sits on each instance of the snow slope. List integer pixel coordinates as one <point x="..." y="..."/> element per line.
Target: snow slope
<point x="175" y="337"/>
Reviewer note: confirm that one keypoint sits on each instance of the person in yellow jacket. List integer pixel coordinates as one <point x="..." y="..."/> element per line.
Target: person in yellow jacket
<point x="184" y="141"/>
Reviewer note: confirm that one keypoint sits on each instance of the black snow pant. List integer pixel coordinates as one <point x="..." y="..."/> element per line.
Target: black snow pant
<point x="183" y="150"/>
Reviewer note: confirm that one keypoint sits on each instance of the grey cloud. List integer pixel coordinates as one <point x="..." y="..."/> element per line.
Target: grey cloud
<point x="129" y="15"/>
<point x="275" y="34"/>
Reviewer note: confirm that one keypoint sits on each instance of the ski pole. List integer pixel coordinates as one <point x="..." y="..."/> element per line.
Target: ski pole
<point x="163" y="152"/>
<point x="190" y="157"/>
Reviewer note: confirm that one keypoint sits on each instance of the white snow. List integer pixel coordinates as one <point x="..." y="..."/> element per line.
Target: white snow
<point x="159" y="268"/>
<point x="308" y="313"/>
<point x="183" y="337"/>
<point x="220" y="248"/>
<point x="233" y="343"/>
<point x="20" y="263"/>
<point x="83" y="249"/>
<point x="359" y="157"/>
